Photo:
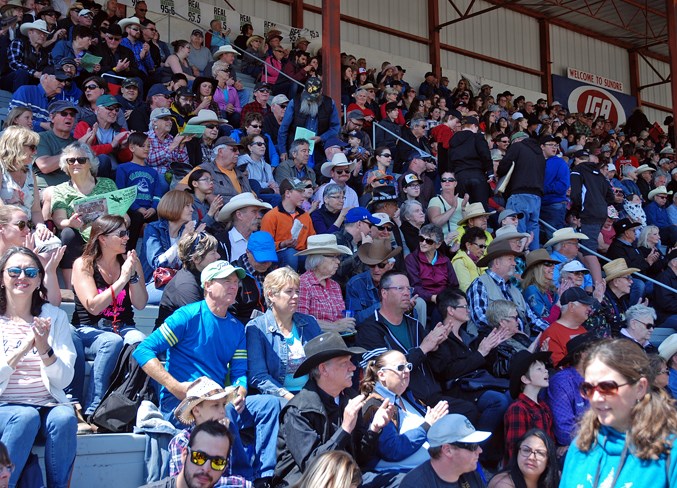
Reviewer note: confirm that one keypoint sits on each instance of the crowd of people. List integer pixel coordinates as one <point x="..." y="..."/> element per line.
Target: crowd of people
<point x="431" y="287"/>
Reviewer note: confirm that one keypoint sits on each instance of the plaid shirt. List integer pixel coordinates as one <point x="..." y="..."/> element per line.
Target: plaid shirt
<point x="322" y="302"/>
<point x="180" y="442"/>
<point x="16" y="56"/>
<point x="478" y="301"/>
<point x="524" y="414"/>
<point x="160" y="157"/>
<point x="253" y="107"/>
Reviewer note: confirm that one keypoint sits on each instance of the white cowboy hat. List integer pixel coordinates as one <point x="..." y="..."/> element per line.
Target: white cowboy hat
<point x="205" y="115"/>
<point x="242" y="200"/>
<point x="223" y="50"/>
<point x="124" y="23"/>
<point x="509" y="232"/>
<point x="473" y="210"/>
<point x="40" y="25"/>
<point x="645" y="167"/>
<point x="668" y="347"/>
<point x="324" y="244"/>
<point x="661" y="190"/>
<point x="339" y="159"/>
<point x="565" y="234"/>
<point x="200" y="390"/>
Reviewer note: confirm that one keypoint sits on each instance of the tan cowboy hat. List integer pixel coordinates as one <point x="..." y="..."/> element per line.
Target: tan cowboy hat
<point x="223" y="50"/>
<point x="645" y="167"/>
<point x="40" y="25"/>
<point x="668" y="348"/>
<point x="473" y="210"/>
<point x="565" y="234"/>
<point x="539" y="256"/>
<point x="200" y="390"/>
<point x="367" y="86"/>
<point x="205" y="115"/>
<point x="616" y="269"/>
<point x="338" y="159"/>
<point x="254" y="38"/>
<point x="661" y="190"/>
<point x="13" y="4"/>
<point x="377" y="251"/>
<point x="124" y="23"/>
<point x="496" y="250"/>
<point x="324" y="244"/>
<point x="242" y="200"/>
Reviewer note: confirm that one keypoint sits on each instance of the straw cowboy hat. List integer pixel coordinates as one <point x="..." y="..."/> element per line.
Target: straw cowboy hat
<point x="616" y="269"/>
<point x="205" y="115"/>
<point x="473" y="210"/>
<point x="124" y="23"/>
<point x="323" y="348"/>
<point x="376" y="252"/>
<point x="242" y="200"/>
<point x="565" y="234"/>
<point x="338" y="159"/>
<point x="324" y="244"/>
<point x="254" y="38"/>
<point x="200" y="390"/>
<point x="644" y="167"/>
<point x="539" y="256"/>
<point x="496" y="250"/>
<point x="661" y="190"/>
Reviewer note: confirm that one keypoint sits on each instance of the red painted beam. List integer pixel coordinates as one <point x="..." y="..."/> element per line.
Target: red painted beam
<point x="546" y="60"/>
<point x="297" y="14"/>
<point x="671" y="8"/>
<point x="662" y="108"/>
<point x="434" y="46"/>
<point x="635" y="89"/>
<point x="331" y="49"/>
<point x="489" y="59"/>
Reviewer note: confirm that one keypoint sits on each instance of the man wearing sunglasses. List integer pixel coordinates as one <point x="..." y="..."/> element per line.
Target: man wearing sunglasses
<point x="204" y="459"/>
<point x="339" y="170"/>
<point x="62" y="115"/>
<point x="260" y="103"/>
<point x="37" y="97"/>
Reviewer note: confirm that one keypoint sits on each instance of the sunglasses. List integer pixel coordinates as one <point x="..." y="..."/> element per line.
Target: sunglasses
<point x="29" y="271"/>
<point x="448" y="180"/>
<point x="211" y="126"/>
<point x="255" y="126"/>
<point x="80" y="160"/>
<point x="199" y="458"/>
<point x="603" y="388"/>
<point x="466" y="446"/>
<point x="134" y="29"/>
<point x="259" y="143"/>
<point x="380" y="265"/>
<point x="386" y="155"/>
<point x="111" y="38"/>
<point x="342" y="171"/>
<point x="400" y="368"/>
<point x="67" y="113"/>
<point x="22" y="224"/>
<point x="93" y="87"/>
<point x="122" y="233"/>
<point x="112" y="108"/>
<point x="380" y="181"/>
<point x="427" y="240"/>
<point x="481" y="246"/>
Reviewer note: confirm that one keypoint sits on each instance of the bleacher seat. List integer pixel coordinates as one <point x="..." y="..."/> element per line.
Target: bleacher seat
<point x="660" y="334"/>
<point x="5" y="98"/>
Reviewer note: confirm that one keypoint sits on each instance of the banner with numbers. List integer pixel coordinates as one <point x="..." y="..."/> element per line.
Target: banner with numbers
<point x="202" y="13"/>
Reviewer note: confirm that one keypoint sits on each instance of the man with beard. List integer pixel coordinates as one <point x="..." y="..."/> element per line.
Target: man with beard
<point x="314" y="111"/>
<point x="181" y="109"/>
<point x="297" y="68"/>
<point x="134" y="42"/>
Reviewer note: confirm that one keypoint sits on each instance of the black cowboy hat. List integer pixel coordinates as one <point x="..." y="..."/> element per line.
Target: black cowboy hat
<point x="323" y="348"/>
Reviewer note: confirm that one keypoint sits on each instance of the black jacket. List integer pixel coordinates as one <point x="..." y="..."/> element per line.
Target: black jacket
<point x="633" y="258"/>
<point x="587" y="182"/>
<point x="452" y="360"/>
<point x="310" y="425"/>
<point x="469" y="151"/>
<point x="665" y="301"/>
<point x="529" y="173"/>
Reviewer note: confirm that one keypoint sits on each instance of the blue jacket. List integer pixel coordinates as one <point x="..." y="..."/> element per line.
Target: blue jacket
<point x="657" y="215"/>
<point x="557" y="181"/>
<point x="362" y="296"/>
<point x="266" y="356"/>
<point x="539" y="302"/>
<point x="156" y="243"/>
<point x="630" y="187"/>
<point x="271" y="151"/>
<point x="34" y="98"/>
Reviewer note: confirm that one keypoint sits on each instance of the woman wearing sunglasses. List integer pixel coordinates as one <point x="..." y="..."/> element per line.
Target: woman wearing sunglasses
<point x="533" y="466"/>
<point x="401" y="443"/>
<point x="538" y="286"/>
<point x="446" y="209"/>
<point x="464" y="262"/>
<point x="626" y="437"/>
<point x="92" y="88"/>
<point x="381" y="161"/>
<point x="37" y="364"/>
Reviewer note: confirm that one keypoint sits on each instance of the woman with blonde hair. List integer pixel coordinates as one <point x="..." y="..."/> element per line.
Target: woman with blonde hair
<point x="626" y="437"/>
<point x="538" y="286"/>
<point x="333" y="469"/>
<point x="20" y="116"/>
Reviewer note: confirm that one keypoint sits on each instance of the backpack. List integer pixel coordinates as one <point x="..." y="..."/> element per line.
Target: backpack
<point x="129" y="386"/>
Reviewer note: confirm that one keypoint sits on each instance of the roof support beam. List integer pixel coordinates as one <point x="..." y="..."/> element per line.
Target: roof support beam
<point x="331" y="49"/>
<point x="297" y="14"/>
<point x="633" y="61"/>
<point x="546" y="60"/>
<point x="434" y="46"/>
<point x="671" y="8"/>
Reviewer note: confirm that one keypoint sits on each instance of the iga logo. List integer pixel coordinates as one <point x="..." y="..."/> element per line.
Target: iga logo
<point x="600" y="102"/>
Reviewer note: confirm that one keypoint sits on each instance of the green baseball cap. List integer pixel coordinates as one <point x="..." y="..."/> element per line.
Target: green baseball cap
<point x="220" y="269"/>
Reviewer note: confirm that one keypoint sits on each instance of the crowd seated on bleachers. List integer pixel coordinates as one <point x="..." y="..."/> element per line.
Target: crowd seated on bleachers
<point x="401" y="233"/>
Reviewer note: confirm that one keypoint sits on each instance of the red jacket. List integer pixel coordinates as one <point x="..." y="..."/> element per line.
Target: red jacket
<point x="123" y="155"/>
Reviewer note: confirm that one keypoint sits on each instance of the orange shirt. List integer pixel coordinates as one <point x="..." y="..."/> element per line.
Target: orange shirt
<point x="278" y="223"/>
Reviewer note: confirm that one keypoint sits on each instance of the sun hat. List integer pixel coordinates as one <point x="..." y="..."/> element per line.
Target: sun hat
<point x="616" y="269"/>
<point x="242" y="200"/>
<point x="377" y="251"/>
<point x="661" y="190"/>
<point x="508" y="232"/>
<point x="323" y="348"/>
<point x="323" y="244"/>
<point x="668" y="347"/>
<point x="667" y="150"/>
<point x="539" y="256"/>
<point x="205" y="115"/>
<point x="520" y="363"/>
<point x="574" y="266"/>
<point x="453" y="428"/>
<point x="220" y="269"/>
<point x="201" y="389"/>
<point x="40" y="25"/>
<point x="565" y="234"/>
<point x="254" y="38"/>
<point x="576" y="294"/>
<point x="223" y="50"/>
<point x="124" y="23"/>
<point x="644" y="167"/>
<point x="338" y="159"/>
<point x="262" y="245"/>
<point x="496" y="250"/>
<point x="473" y="210"/>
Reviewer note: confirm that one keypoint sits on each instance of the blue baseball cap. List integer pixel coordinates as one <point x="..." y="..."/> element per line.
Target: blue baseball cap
<point x="262" y="245"/>
<point x="158" y="89"/>
<point x="356" y="214"/>
<point x="335" y="141"/>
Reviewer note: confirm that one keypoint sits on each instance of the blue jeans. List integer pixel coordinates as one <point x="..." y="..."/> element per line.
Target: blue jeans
<point x="20" y="426"/>
<point x="492" y="405"/>
<point x="555" y="215"/>
<point x="287" y="258"/>
<point x="261" y="412"/>
<point x="530" y="206"/>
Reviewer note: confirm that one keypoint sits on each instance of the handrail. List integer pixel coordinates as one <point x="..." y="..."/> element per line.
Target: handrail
<point x="594" y="253"/>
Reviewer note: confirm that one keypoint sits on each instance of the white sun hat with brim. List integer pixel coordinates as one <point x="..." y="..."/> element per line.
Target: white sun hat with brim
<point x="124" y="23"/>
<point x="565" y="234"/>
<point x="242" y="200"/>
<point x="661" y="190"/>
<point x="205" y="115"/>
<point x="223" y="50"/>
<point x="668" y="347"/>
<point x="338" y="159"/>
<point x="200" y="390"/>
<point x="324" y="244"/>
<point x="40" y="25"/>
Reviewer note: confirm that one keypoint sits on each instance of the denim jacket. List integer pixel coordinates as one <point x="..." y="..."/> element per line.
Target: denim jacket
<point x="156" y="243"/>
<point x="362" y="296"/>
<point x="267" y="353"/>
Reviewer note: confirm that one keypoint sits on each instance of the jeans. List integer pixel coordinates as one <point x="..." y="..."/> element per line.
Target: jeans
<point x="530" y="206"/>
<point x="287" y="257"/>
<point x="20" y="426"/>
<point x="16" y="79"/>
<point x="261" y="412"/>
<point x="154" y="295"/>
<point x="555" y="215"/>
<point x="103" y="346"/>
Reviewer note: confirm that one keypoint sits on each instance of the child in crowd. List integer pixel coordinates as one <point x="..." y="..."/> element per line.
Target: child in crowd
<point x="411" y="187"/>
<point x="528" y="376"/>
<point x="307" y="205"/>
<point x="355" y="149"/>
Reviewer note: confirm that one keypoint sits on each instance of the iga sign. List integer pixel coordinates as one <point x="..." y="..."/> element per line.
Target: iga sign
<point x="580" y="97"/>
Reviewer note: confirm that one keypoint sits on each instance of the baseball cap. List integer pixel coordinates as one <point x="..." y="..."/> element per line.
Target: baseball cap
<point x="61" y="105"/>
<point x="583" y="153"/>
<point x="509" y="213"/>
<point x="159" y="113"/>
<point x="225" y="141"/>
<point x="356" y="214"/>
<point x="158" y="89"/>
<point x="576" y="294"/>
<point x="106" y="101"/>
<point x="550" y="138"/>
<point x="196" y="32"/>
<point x="293" y="184"/>
<point x="59" y="74"/>
<point x="130" y="82"/>
<point x="574" y="266"/>
<point x="85" y="11"/>
<point x="220" y="269"/>
<point x="611" y="167"/>
<point x="356" y="115"/>
<point x="410" y="179"/>
<point x="453" y="428"/>
<point x="261" y="86"/>
<point x="335" y="141"/>
<point x="184" y="91"/>
<point x="470" y="120"/>
<point x="262" y="245"/>
<point x="279" y="100"/>
<point x="518" y="135"/>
